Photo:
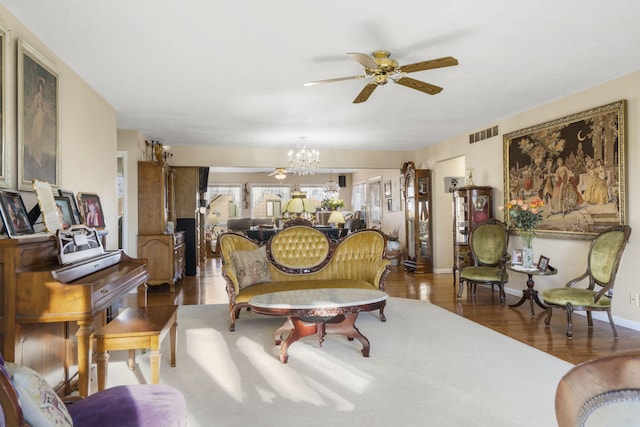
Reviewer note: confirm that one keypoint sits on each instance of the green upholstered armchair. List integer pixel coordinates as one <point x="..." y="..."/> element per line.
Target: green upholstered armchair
<point x="488" y="242"/>
<point x="604" y="258"/>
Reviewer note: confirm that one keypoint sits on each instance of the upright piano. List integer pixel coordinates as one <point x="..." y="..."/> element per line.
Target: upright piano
<point x="50" y="307"/>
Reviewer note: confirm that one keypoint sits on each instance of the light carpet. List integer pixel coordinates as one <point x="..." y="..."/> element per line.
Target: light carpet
<point x="427" y="367"/>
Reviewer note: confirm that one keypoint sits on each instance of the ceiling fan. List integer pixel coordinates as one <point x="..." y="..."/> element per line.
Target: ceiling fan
<point x="380" y="67"/>
<point x="279" y="173"/>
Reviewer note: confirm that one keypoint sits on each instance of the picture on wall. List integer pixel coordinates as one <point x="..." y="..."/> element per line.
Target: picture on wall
<point x="92" y="214"/>
<point x="576" y="165"/>
<point x="4" y="49"/>
<point x="38" y="111"/>
<point x="14" y="214"/>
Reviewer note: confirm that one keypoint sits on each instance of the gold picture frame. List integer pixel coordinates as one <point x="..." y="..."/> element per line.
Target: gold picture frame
<point x="576" y="165"/>
<point x="38" y="118"/>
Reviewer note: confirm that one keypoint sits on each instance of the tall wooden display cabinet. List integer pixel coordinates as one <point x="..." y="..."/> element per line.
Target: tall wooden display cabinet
<point x="471" y="206"/>
<point x="417" y="196"/>
<point x="157" y="241"/>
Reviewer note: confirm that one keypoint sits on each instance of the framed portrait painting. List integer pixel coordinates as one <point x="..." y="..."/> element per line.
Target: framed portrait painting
<point x="14" y="214"/>
<point x="5" y="180"/>
<point x="576" y="166"/>
<point x="38" y="118"/>
<point x="92" y="214"/>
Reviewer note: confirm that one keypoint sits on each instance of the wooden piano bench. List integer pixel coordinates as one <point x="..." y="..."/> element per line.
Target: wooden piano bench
<point x="137" y="328"/>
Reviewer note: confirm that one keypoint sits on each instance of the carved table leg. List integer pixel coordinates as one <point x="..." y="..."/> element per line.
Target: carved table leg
<point x="348" y="328"/>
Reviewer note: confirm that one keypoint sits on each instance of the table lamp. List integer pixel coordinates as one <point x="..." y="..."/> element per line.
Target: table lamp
<point x="336" y="218"/>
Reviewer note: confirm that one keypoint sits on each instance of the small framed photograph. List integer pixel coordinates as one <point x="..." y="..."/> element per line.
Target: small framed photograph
<point x="75" y="212"/>
<point x="14" y="214"/>
<point x="64" y="211"/>
<point x="389" y="205"/>
<point x="92" y="214"/>
<point x="516" y="257"/>
<point x="543" y="263"/>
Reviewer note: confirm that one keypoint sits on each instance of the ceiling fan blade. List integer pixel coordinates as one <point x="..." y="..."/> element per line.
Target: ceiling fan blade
<point x="338" y="79"/>
<point x="447" y="61"/>
<point x="418" y="85"/>
<point x="365" y="60"/>
<point x="365" y="93"/>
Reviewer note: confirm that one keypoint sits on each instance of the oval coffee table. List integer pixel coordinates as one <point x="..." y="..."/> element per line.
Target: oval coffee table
<point x="318" y="312"/>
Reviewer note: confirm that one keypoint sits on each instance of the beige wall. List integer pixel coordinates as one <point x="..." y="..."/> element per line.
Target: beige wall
<point x="568" y="255"/>
<point x="87" y="138"/>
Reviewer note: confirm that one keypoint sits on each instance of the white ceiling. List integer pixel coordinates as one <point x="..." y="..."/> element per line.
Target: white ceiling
<point x="231" y="73"/>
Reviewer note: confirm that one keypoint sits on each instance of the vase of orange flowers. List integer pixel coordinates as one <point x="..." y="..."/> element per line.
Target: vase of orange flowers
<point x="525" y="217"/>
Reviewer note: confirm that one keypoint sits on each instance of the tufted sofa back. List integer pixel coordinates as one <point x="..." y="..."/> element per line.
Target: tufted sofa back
<point x="299" y="247"/>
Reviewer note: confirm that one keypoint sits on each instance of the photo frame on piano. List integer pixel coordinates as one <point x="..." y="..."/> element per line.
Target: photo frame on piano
<point x="64" y="211"/>
<point x="14" y="214"/>
<point x="77" y="219"/>
<point x="92" y="213"/>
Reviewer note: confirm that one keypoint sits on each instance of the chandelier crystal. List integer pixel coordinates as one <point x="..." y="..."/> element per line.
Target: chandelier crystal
<point x="303" y="160"/>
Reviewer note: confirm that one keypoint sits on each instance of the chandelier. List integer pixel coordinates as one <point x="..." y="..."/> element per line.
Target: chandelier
<point x="303" y="160"/>
<point x="331" y="188"/>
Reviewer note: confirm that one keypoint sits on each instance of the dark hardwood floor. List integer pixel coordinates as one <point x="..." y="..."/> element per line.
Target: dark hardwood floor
<point x="208" y="287"/>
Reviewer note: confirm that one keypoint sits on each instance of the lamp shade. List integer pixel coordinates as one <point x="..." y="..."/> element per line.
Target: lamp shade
<point x="336" y="217"/>
<point x="298" y="204"/>
<point x="212" y="219"/>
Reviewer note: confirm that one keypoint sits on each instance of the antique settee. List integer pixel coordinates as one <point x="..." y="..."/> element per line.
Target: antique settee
<point x="300" y="257"/>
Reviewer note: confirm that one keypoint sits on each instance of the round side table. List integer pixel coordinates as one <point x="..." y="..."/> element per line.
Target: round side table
<point x="530" y="293"/>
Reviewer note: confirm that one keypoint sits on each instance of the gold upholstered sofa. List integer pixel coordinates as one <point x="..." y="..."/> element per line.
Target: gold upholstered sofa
<point x="300" y="257"/>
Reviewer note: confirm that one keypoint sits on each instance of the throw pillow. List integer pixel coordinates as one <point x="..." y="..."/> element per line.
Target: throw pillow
<point x="252" y="267"/>
<point x="40" y="404"/>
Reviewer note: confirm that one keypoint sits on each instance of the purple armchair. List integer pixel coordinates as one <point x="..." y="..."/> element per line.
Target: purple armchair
<point x="27" y="399"/>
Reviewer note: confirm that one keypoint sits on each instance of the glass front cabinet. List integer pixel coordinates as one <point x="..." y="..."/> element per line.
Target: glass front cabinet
<point x="417" y="196"/>
<point x="471" y="206"/>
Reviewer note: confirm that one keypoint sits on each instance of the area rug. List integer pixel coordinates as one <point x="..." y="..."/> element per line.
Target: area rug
<point x="427" y="367"/>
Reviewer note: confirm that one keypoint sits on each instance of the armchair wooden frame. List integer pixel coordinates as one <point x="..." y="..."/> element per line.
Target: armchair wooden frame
<point x="488" y="268"/>
<point x="592" y="385"/>
<point x="607" y="268"/>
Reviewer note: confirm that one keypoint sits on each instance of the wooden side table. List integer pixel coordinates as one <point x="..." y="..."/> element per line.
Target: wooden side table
<point x="137" y="328"/>
<point x="529" y="293"/>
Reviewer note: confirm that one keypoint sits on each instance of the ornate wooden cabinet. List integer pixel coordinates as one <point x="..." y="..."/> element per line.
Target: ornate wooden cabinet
<point x="471" y="206"/>
<point x="417" y="196"/>
<point x="157" y="241"/>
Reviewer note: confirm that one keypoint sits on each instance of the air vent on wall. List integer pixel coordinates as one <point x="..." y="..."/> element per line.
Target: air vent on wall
<point x="483" y="134"/>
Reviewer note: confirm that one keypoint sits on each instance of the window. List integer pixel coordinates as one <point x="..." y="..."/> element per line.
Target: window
<point x="265" y="199"/>
<point x="225" y="199"/>
<point x="359" y="196"/>
<point x="315" y="193"/>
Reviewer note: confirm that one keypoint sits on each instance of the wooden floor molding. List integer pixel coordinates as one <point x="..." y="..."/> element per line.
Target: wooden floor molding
<point x="208" y="287"/>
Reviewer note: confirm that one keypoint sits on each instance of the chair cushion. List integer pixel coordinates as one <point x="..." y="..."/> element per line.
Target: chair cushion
<point x="252" y="266"/>
<point x="140" y="405"/>
<point x="575" y="296"/>
<point x="41" y="405"/>
<point x="482" y="274"/>
<point x="613" y="408"/>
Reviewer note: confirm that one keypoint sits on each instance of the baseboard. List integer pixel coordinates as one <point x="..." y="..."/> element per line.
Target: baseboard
<point x="599" y="315"/>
